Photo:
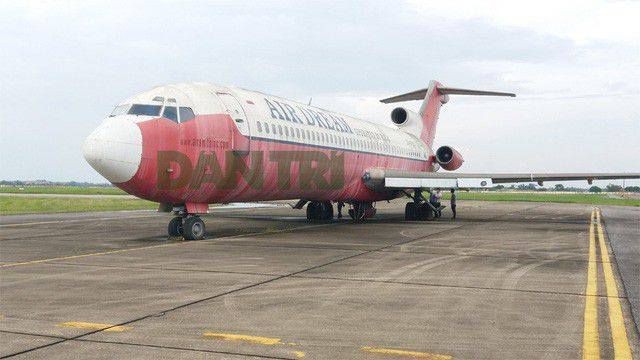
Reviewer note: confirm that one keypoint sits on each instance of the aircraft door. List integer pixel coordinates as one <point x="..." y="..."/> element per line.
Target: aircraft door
<point x="240" y="143"/>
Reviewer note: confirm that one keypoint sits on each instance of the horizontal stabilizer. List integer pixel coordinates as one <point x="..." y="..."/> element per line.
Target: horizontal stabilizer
<point x="422" y="93"/>
<point x="456" y="91"/>
<point x="414" y="95"/>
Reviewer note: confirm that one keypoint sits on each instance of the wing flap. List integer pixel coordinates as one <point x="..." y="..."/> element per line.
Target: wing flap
<point x="380" y="179"/>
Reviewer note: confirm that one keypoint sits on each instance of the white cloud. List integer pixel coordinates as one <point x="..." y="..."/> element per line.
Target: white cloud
<point x="579" y="20"/>
<point x="65" y="64"/>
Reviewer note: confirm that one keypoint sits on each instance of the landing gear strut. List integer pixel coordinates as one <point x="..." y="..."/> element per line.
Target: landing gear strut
<point x="317" y="210"/>
<point x="361" y="210"/>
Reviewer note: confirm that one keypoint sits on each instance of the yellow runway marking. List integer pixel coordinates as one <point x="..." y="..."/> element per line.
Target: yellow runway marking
<point x="406" y="353"/>
<point x="299" y="354"/>
<point x="621" y="347"/>
<point x="247" y="338"/>
<point x="76" y="220"/>
<point x="84" y="255"/>
<point x="95" y="326"/>
<point x="590" y="342"/>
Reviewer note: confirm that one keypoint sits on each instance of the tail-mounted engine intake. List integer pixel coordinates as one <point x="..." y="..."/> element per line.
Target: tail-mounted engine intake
<point x="449" y="158"/>
<point x="402" y="117"/>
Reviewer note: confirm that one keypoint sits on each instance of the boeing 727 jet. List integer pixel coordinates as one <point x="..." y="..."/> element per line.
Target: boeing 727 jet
<point x="189" y="145"/>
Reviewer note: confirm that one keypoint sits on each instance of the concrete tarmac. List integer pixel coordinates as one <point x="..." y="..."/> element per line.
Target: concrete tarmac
<point x="623" y="229"/>
<point x="506" y="280"/>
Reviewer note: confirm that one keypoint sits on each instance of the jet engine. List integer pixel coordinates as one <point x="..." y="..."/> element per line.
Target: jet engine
<point x="448" y="158"/>
<point x="402" y="117"/>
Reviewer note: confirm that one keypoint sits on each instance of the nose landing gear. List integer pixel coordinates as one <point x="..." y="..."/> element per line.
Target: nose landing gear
<point x="193" y="228"/>
<point x="175" y="226"/>
<point x="189" y="226"/>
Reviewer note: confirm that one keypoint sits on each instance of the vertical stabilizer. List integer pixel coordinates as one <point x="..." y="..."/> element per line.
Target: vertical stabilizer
<point x="432" y="99"/>
<point x="429" y="111"/>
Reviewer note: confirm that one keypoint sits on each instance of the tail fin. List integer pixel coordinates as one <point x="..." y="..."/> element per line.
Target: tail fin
<point x="433" y="97"/>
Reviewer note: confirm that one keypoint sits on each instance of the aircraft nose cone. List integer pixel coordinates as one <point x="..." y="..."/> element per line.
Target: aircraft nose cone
<point x="114" y="149"/>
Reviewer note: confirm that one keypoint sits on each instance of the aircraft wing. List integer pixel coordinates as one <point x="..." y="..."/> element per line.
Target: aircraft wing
<point x="381" y="179"/>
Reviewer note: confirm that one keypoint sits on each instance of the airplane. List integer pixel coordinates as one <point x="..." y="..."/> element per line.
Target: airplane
<point x="189" y="145"/>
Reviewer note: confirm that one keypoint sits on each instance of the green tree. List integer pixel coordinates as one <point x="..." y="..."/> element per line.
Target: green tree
<point x="530" y="186"/>
<point x="613" y="188"/>
<point x="595" y="189"/>
<point x="559" y="187"/>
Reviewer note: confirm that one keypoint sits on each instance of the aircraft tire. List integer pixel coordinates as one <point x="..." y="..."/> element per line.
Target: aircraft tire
<point x="175" y="227"/>
<point x="313" y="209"/>
<point x="425" y="212"/>
<point x="327" y="210"/>
<point x="410" y="211"/>
<point x="193" y="228"/>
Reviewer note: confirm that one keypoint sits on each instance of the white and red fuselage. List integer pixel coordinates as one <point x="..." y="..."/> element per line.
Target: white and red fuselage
<point x="195" y="144"/>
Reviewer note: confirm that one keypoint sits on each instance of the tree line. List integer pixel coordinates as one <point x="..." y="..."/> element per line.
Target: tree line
<point x="560" y="187"/>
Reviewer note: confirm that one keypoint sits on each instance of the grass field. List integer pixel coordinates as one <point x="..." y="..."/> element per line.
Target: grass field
<point x="584" y="198"/>
<point x="75" y="190"/>
<point x="33" y="204"/>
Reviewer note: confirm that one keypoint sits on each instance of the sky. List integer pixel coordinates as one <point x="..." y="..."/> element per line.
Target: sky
<point x="575" y="66"/>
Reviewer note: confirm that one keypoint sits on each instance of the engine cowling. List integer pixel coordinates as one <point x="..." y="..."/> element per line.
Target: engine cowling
<point x="402" y="117"/>
<point x="449" y="158"/>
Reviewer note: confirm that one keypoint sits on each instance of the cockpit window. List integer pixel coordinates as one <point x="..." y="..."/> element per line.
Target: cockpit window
<point x="148" y="110"/>
<point x="120" y="110"/>
<point x="186" y="114"/>
<point x="171" y="113"/>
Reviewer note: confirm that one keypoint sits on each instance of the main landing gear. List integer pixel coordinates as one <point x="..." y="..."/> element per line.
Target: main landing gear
<point x="323" y="210"/>
<point x="317" y="210"/>
<point x="190" y="227"/>
<point x="418" y="209"/>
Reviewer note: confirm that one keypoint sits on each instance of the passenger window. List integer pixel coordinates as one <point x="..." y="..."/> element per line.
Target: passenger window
<point x="259" y="126"/>
<point x="273" y="128"/>
<point x="280" y="130"/>
<point x="286" y="131"/>
<point x="186" y="114"/>
<point x="297" y="132"/>
<point x="266" y="128"/>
